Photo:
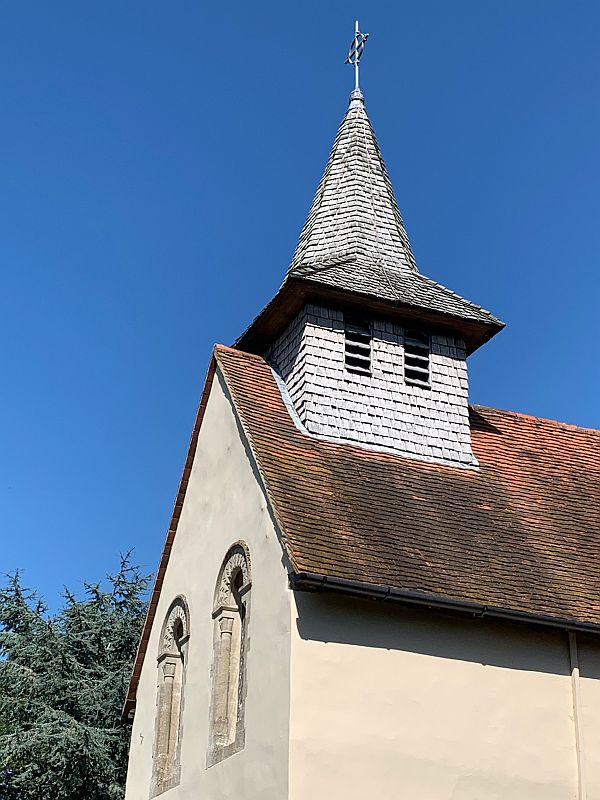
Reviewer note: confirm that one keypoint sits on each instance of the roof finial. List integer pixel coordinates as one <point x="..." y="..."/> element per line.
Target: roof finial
<point x="354" y="56"/>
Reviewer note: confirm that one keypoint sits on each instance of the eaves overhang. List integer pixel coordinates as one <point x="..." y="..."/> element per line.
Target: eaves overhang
<point x="314" y="582"/>
<point x="297" y="292"/>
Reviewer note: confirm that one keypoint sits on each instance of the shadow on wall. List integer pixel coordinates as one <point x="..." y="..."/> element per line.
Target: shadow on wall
<point x="481" y="423"/>
<point x="369" y="623"/>
<point x="589" y="657"/>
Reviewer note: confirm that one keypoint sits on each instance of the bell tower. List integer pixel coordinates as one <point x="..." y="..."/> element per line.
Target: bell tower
<point x="366" y="348"/>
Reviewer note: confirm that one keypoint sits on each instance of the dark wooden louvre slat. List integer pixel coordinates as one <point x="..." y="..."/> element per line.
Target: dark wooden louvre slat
<point x="416" y="358"/>
<point x="358" y="345"/>
<point x="359" y="350"/>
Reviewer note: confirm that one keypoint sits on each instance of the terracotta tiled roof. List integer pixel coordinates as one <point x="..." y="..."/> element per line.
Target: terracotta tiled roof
<point x="522" y="533"/>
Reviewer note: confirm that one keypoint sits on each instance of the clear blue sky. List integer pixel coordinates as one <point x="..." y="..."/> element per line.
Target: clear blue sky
<point x="157" y="162"/>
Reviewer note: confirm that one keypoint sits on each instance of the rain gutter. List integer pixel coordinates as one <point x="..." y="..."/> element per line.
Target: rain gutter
<point x="311" y="581"/>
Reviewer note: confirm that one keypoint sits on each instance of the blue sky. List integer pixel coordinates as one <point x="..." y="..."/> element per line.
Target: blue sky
<point x="157" y="162"/>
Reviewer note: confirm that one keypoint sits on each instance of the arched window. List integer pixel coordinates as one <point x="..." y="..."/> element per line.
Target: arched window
<point x="230" y="645"/>
<point x="172" y="658"/>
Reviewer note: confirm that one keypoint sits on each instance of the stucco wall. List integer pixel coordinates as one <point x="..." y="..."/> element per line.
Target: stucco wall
<point x="378" y="409"/>
<point x="589" y="667"/>
<point x="399" y="703"/>
<point x="224" y="503"/>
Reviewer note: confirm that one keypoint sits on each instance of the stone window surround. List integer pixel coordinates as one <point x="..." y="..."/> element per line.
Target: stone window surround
<point x="230" y="649"/>
<point x="171" y="663"/>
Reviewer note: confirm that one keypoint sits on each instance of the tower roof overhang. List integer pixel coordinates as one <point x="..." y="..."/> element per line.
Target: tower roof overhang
<point x="354" y="251"/>
<point x="296" y="292"/>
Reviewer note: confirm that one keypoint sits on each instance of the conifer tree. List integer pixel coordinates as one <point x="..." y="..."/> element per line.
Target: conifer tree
<point x="63" y="679"/>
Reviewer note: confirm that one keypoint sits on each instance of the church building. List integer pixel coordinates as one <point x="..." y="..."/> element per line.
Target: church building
<point x="369" y="585"/>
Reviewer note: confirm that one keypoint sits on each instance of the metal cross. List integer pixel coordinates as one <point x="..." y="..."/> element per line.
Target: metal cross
<point x="356" y="51"/>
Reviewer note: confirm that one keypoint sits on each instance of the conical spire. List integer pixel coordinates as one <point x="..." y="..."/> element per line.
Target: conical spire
<point x="354" y="251"/>
<point x="354" y="218"/>
<point x="354" y="238"/>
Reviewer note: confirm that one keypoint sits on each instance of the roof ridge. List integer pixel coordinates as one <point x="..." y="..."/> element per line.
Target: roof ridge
<point x="545" y="420"/>
<point x="218" y="348"/>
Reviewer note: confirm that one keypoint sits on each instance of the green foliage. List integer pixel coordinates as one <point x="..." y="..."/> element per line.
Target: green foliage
<point x="63" y="679"/>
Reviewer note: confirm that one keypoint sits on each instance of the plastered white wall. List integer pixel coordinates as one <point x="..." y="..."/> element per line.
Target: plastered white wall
<point x="395" y="703"/>
<point x="224" y="503"/>
<point x="378" y="409"/>
<point x="589" y="670"/>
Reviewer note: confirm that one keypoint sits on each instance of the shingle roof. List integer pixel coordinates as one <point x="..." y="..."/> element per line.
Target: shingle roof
<point x="354" y="237"/>
<point x="521" y="533"/>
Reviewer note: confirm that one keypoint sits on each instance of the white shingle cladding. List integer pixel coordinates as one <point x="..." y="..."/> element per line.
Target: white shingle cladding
<point x="377" y="409"/>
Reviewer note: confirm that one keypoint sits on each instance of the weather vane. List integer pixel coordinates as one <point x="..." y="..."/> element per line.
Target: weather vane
<point x="356" y="51"/>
